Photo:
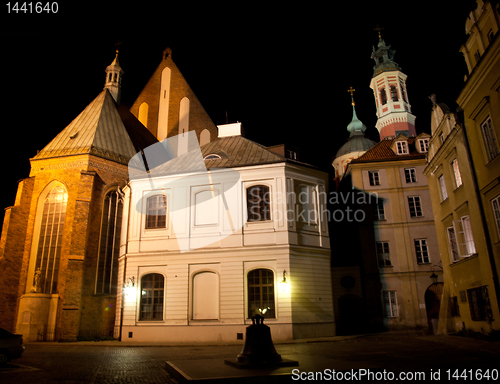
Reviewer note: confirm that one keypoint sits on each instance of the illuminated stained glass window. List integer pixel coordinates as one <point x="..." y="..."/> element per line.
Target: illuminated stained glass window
<point x="50" y="239"/>
<point x="261" y="293"/>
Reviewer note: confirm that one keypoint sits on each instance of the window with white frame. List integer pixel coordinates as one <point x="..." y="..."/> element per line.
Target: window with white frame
<point x="456" y="173"/>
<point x="402" y="147"/>
<point x="421" y="251"/>
<point x="461" y="239"/>
<point x="374" y="178"/>
<point x="470" y="246"/>
<point x="490" y="141"/>
<point x="390" y="303"/>
<point x="379" y="210"/>
<point x="423" y="145"/>
<point x="452" y="243"/>
<point x="383" y="254"/>
<point x="410" y="175"/>
<point x="156" y="212"/>
<point x="442" y="188"/>
<point x="495" y="204"/>
<point x="415" y="206"/>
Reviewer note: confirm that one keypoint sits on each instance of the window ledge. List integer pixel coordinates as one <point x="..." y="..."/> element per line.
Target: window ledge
<point x="457" y="188"/>
<point x="464" y="259"/>
<point x="444" y="200"/>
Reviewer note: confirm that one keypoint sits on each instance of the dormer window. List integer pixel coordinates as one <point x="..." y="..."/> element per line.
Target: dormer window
<point x="212" y="156"/>
<point x="423" y="145"/>
<point x="402" y="147"/>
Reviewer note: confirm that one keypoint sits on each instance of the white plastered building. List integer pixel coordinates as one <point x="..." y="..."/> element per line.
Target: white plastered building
<point x="219" y="234"/>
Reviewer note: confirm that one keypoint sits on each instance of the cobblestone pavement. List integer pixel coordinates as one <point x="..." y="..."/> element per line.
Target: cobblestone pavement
<point x="113" y="362"/>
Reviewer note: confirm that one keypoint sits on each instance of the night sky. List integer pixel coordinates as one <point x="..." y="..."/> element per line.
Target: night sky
<point x="283" y="71"/>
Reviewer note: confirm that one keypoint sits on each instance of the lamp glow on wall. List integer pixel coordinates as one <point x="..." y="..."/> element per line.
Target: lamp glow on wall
<point x="284" y="285"/>
<point x="128" y="288"/>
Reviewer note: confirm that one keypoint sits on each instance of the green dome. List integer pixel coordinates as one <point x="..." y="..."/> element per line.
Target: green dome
<point x="355" y="124"/>
<point x="357" y="141"/>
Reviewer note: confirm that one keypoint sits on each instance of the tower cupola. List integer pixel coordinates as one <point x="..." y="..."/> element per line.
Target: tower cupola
<point x="113" y="81"/>
<point x="389" y="89"/>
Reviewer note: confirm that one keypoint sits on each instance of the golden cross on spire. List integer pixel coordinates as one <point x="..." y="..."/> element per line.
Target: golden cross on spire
<point x="379" y="29"/>
<point x="351" y="90"/>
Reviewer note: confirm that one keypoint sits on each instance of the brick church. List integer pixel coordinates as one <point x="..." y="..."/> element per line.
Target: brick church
<point x="60" y="240"/>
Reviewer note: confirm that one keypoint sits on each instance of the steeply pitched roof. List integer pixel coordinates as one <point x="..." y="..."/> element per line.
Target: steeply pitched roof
<point x="383" y="152"/>
<point x="103" y="129"/>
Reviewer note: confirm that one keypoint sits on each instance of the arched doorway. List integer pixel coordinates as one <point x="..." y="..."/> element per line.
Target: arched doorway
<point x="433" y="296"/>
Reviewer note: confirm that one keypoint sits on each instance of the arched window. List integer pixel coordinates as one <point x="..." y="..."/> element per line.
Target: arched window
<point x="258" y="203"/>
<point x="394" y="93"/>
<point x="50" y="240"/>
<point x="109" y="244"/>
<point x="152" y="293"/>
<point x="156" y="212"/>
<point x="383" y="96"/>
<point x="261" y="293"/>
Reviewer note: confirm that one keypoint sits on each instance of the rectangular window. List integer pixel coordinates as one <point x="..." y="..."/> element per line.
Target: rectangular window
<point x="379" y="211"/>
<point x="490" y="141"/>
<point x="423" y="145"/>
<point x="422" y="251"/>
<point x="469" y="239"/>
<point x="479" y="304"/>
<point x="383" y="255"/>
<point x="441" y="138"/>
<point x="415" y="206"/>
<point x="374" y="177"/>
<point x="463" y="240"/>
<point x="390" y="303"/>
<point x="156" y="212"/>
<point x="452" y="241"/>
<point x="410" y="175"/>
<point x="495" y="204"/>
<point x="402" y="147"/>
<point x="456" y="173"/>
<point x="442" y="188"/>
<point x="258" y="203"/>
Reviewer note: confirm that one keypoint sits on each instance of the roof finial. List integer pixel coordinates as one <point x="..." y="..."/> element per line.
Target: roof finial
<point x="379" y="29"/>
<point x="118" y="43"/>
<point x="351" y="90"/>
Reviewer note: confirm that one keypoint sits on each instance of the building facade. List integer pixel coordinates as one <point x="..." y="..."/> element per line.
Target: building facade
<point x="216" y="236"/>
<point x="463" y="170"/>
<point x="60" y="241"/>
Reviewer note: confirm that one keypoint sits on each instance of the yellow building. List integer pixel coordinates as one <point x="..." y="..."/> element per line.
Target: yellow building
<point x="463" y="170"/>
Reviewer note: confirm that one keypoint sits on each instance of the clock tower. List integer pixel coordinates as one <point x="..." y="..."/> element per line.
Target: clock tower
<point x="389" y="88"/>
